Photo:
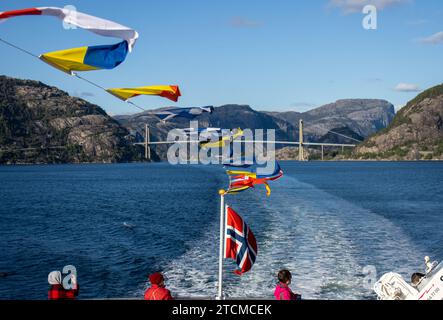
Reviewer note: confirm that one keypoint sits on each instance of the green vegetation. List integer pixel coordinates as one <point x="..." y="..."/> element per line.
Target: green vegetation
<point x="369" y="156"/>
<point x="35" y="117"/>
<point x="369" y="143"/>
<point x="438" y="151"/>
<point x="399" y="152"/>
<point x="401" y="117"/>
<point x="427" y="147"/>
<point x="430" y="93"/>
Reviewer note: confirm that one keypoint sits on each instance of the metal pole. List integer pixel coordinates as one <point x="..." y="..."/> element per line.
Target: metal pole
<point x="222" y="237"/>
<point x="322" y="152"/>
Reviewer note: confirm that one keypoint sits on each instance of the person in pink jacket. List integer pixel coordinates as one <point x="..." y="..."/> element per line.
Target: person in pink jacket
<point x="282" y="290"/>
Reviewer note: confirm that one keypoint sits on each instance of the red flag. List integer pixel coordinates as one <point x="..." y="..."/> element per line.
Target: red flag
<point x="240" y="243"/>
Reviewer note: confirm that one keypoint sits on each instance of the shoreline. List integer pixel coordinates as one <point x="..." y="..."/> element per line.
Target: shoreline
<point x="153" y="162"/>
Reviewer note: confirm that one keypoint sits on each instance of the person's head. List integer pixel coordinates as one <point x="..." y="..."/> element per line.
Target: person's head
<point x="157" y="279"/>
<point x="55" y="277"/>
<point x="416" y="278"/>
<point x="284" y="276"/>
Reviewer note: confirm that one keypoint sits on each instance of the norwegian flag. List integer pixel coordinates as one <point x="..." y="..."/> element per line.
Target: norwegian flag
<point x="240" y="243"/>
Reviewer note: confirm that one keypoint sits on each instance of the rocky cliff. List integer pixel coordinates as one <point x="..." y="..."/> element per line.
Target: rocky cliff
<point x="416" y="133"/>
<point x="360" y="117"/>
<point x="42" y="124"/>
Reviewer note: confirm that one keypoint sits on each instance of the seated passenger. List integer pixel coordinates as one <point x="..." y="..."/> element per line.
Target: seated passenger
<point x="157" y="291"/>
<point x="416" y="278"/>
<point x="282" y="290"/>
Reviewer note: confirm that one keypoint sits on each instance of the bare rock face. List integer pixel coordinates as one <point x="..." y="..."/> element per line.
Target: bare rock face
<point x="42" y="124"/>
<point x="416" y="133"/>
<point x="290" y="153"/>
<point x="363" y="116"/>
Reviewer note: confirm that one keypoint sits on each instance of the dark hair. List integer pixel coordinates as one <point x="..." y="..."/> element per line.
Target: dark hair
<point x="416" y="277"/>
<point x="284" y="275"/>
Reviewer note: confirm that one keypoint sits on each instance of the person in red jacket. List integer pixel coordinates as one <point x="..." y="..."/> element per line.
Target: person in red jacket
<point x="56" y="289"/>
<point x="157" y="291"/>
<point x="282" y="290"/>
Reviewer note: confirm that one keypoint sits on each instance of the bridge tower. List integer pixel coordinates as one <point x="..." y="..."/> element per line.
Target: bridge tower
<point x="147" y="142"/>
<point x="301" y="155"/>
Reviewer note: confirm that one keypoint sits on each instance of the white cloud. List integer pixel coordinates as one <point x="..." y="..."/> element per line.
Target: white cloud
<point x="434" y="39"/>
<point x="407" y="87"/>
<point x="353" y="6"/>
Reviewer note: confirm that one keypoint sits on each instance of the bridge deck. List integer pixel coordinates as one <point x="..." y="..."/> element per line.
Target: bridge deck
<point x="256" y="141"/>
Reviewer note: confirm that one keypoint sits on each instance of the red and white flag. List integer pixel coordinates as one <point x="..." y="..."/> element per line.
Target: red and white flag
<point x="240" y="243"/>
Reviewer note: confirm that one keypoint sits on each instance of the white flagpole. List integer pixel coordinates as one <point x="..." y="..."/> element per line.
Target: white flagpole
<point x="222" y="238"/>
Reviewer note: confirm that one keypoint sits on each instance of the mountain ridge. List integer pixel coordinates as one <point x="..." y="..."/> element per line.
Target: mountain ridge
<point x="43" y="124"/>
<point x="317" y="127"/>
<point x="416" y="132"/>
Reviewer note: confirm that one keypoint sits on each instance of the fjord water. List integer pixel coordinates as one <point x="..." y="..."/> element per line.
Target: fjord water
<point x="329" y="223"/>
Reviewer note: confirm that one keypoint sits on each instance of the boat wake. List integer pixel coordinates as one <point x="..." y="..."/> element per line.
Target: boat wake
<point x="335" y="249"/>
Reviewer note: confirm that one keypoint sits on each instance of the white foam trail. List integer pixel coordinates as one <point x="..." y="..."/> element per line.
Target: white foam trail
<point x="195" y="273"/>
<point x="324" y="240"/>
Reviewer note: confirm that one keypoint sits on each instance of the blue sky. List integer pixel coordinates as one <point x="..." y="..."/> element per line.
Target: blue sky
<point x="273" y="55"/>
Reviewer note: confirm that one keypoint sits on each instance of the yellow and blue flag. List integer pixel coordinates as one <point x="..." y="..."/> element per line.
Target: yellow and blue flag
<point x="87" y="58"/>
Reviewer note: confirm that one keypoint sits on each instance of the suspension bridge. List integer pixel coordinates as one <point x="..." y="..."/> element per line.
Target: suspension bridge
<point x="147" y="143"/>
